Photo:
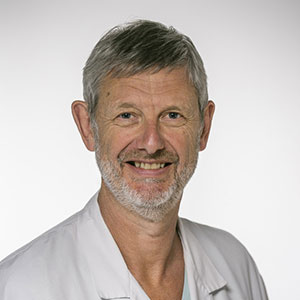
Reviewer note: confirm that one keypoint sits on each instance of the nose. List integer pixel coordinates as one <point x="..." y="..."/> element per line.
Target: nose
<point x="150" y="139"/>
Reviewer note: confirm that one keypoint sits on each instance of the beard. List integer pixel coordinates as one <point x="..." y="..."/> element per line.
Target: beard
<point x="154" y="202"/>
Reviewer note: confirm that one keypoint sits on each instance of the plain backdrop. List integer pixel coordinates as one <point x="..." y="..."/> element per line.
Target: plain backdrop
<point x="247" y="180"/>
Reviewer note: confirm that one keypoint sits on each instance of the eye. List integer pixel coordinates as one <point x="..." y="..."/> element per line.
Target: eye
<point x="174" y="115"/>
<point x="126" y="119"/>
<point x="173" y="118"/>
<point x="125" y="115"/>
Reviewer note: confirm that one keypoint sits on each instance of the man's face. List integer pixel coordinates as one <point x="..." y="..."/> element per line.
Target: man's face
<point x="148" y="139"/>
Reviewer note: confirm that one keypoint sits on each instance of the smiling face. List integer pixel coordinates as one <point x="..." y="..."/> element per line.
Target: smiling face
<point x="148" y="139"/>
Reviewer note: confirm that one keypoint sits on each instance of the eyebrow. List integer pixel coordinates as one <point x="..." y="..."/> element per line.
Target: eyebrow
<point x="127" y="105"/>
<point x="132" y="105"/>
<point x="173" y="107"/>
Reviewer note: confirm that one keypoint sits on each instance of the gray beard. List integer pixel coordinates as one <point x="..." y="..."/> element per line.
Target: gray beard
<point x="151" y="205"/>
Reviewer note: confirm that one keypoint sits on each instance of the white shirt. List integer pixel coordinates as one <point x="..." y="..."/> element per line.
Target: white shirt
<point x="79" y="260"/>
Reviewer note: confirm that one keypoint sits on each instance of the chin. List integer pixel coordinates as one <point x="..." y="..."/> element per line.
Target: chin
<point x="152" y="203"/>
<point x="149" y="198"/>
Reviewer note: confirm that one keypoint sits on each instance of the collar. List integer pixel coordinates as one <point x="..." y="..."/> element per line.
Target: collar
<point x="104" y="260"/>
<point x="200" y="270"/>
<point x="108" y="269"/>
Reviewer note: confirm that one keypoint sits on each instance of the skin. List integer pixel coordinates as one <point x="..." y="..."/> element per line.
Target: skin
<point x="147" y="113"/>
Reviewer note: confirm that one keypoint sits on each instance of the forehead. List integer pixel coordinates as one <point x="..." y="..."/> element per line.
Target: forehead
<point x="161" y="85"/>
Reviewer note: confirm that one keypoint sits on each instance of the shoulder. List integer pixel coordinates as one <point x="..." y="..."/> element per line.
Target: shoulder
<point x="229" y="256"/>
<point x="41" y="260"/>
<point x="216" y="239"/>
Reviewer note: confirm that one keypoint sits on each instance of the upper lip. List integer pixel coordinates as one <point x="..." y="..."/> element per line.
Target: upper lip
<point x="148" y="161"/>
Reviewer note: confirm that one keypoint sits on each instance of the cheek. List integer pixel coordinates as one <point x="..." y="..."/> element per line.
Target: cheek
<point x="183" y="141"/>
<point x="114" y="140"/>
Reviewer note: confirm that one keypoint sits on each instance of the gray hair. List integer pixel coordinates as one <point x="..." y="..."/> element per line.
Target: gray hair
<point x="140" y="46"/>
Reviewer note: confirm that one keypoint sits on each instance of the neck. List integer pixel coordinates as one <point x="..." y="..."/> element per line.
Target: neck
<point x="150" y="249"/>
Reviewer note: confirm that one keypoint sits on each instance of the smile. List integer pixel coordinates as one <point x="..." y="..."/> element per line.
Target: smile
<point x="148" y="166"/>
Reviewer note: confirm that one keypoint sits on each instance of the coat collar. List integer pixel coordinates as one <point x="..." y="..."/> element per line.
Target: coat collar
<point x="202" y="274"/>
<point x="108" y="269"/>
<point x="104" y="260"/>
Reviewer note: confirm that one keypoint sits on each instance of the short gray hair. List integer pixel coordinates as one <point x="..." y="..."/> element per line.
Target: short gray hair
<point x="137" y="47"/>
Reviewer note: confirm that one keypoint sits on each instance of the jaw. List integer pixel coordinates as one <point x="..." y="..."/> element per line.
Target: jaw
<point x="150" y="194"/>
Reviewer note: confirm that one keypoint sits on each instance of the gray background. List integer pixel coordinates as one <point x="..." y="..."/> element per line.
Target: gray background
<point x="247" y="181"/>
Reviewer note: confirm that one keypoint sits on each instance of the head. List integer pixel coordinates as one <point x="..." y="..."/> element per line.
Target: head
<point x="166" y="71"/>
<point x="138" y="47"/>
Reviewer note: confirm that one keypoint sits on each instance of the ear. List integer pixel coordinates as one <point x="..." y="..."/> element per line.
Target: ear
<point x="208" y="116"/>
<point x="82" y="120"/>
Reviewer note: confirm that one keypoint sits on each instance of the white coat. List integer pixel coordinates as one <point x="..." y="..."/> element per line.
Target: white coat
<point x="79" y="260"/>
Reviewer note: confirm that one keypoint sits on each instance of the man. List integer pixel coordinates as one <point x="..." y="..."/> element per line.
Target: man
<point x="146" y="115"/>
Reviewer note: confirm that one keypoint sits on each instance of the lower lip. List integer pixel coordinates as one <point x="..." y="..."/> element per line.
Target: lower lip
<point x="149" y="172"/>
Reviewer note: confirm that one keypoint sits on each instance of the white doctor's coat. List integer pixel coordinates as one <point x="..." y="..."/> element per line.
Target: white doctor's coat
<point x="79" y="260"/>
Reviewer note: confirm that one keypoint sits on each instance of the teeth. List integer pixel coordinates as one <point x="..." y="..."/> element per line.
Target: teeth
<point x="148" y="166"/>
<point x="155" y="166"/>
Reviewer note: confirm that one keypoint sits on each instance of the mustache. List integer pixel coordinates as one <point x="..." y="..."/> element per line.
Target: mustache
<point x="162" y="155"/>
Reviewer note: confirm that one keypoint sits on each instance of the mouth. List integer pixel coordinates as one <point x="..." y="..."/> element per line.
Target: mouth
<point x="148" y="165"/>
